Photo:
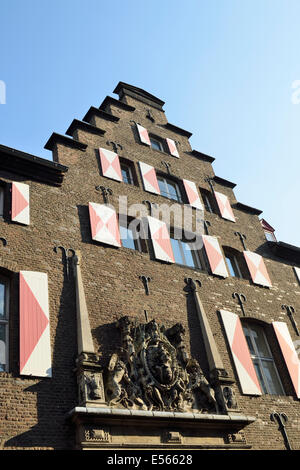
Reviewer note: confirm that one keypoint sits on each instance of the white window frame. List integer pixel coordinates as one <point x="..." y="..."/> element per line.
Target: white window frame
<point x="257" y="357"/>
<point x="5" y="321"/>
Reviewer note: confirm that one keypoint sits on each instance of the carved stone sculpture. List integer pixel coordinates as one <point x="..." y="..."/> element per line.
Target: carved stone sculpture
<point x="153" y="371"/>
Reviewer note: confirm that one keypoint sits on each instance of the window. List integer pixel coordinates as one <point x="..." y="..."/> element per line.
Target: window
<point x="235" y="263"/>
<point x="4" y="299"/>
<point x="156" y="143"/>
<point x="270" y="236"/>
<point x="126" y="173"/>
<point x="129" y="235"/>
<point x="1" y="201"/>
<point x="186" y="254"/>
<point x="262" y="359"/>
<point x="169" y="188"/>
<point x="208" y="201"/>
<point x="233" y="267"/>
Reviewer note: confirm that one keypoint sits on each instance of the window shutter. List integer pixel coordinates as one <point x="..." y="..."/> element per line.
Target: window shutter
<point x="35" y="349"/>
<point x="257" y="269"/>
<point x="215" y="255"/>
<point x="297" y="272"/>
<point x="149" y="178"/>
<point x="172" y="148"/>
<point x="289" y="353"/>
<point x="192" y="194"/>
<point x="240" y="353"/>
<point x="161" y="240"/>
<point x="224" y="206"/>
<point x="20" y="203"/>
<point x="110" y="164"/>
<point x="104" y="224"/>
<point x="143" y="135"/>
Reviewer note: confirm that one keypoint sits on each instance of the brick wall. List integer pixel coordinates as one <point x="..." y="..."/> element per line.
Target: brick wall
<point x="32" y="410"/>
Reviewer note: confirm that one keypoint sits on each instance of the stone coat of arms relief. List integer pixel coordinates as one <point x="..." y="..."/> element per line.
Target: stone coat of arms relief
<point x="153" y="371"/>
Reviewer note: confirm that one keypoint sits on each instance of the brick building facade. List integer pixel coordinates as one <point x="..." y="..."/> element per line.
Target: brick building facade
<point x="114" y="334"/>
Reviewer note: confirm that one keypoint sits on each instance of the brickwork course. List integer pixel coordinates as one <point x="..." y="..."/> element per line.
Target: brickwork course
<point x="33" y="409"/>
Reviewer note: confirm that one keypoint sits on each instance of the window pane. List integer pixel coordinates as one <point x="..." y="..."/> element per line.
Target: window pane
<point x="2" y="347"/>
<point x="270" y="237"/>
<point x="177" y="252"/>
<point x="249" y="340"/>
<point x="190" y="256"/>
<point x="259" y="376"/>
<point x="274" y="386"/>
<point x="126" y="174"/>
<point x="260" y="342"/>
<point x="127" y="238"/>
<point x="230" y="266"/>
<point x="155" y="144"/>
<point x="163" y="187"/>
<point x="2" y="300"/>
<point x="173" y="191"/>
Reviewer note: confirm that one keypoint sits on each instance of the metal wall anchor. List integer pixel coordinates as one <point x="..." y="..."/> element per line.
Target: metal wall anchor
<point x="115" y="145"/>
<point x="191" y="283"/>
<point x="66" y="257"/>
<point x="211" y="182"/>
<point x="241" y="299"/>
<point x="290" y="310"/>
<point x="145" y="280"/>
<point x="167" y="165"/>
<point x="281" y="419"/>
<point x="242" y="238"/>
<point x="150" y="116"/>
<point x="105" y="192"/>
<point x="206" y="224"/>
<point x="146" y="315"/>
<point x="4" y="241"/>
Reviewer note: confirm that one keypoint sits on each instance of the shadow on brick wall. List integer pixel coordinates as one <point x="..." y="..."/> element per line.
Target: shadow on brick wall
<point x="48" y="400"/>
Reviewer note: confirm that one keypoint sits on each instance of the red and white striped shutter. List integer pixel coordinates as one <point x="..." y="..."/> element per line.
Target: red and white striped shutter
<point x="215" y="255"/>
<point x="104" y="224"/>
<point x="20" y="211"/>
<point x="192" y="194"/>
<point x="149" y="178"/>
<point x="289" y="353"/>
<point x="35" y="349"/>
<point x="257" y="269"/>
<point x="161" y="240"/>
<point x="172" y="148"/>
<point x="240" y="353"/>
<point x="110" y="164"/>
<point x="297" y="272"/>
<point x="143" y="134"/>
<point x="224" y="206"/>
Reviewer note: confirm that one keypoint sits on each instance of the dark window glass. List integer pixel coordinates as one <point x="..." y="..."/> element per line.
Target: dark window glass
<point x="156" y="144"/>
<point x="126" y="174"/>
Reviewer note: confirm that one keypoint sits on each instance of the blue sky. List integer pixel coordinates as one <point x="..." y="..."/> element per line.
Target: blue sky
<point x="225" y="69"/>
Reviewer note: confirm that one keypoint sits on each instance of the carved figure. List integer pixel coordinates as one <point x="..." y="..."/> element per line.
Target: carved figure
<point x="153" y="370"/>
<point x="94" y="388"/>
